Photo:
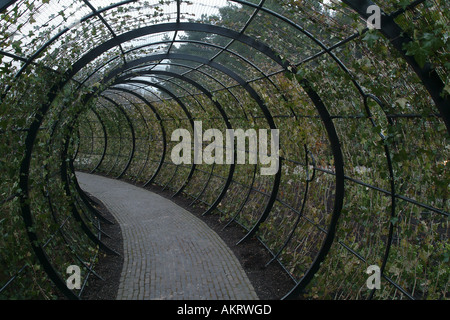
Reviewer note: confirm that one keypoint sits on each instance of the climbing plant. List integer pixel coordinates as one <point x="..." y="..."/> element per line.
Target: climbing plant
<point x="364" y="144"/>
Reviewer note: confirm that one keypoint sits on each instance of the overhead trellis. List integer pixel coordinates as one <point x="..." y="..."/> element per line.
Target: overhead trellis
<point x="363" y="116"/>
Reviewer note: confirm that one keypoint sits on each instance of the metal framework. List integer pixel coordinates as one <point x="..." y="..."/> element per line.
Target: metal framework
<point x="134" y="85"/>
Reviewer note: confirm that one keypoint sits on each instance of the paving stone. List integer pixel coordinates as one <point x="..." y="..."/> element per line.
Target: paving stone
<point x="168" y="252"/>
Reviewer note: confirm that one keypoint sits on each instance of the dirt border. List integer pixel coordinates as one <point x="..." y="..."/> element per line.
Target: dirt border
<point x="109" y="266"/>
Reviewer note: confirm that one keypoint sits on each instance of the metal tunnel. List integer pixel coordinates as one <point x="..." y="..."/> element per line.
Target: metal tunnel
<point x="363" y="116"/>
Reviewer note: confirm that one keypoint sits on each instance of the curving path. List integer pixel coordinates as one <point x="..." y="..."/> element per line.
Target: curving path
<point x="168" y="252"/>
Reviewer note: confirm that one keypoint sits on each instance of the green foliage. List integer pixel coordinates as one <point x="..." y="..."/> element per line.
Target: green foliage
<point x="376" y="102"/>
<point x="427" y="44"/>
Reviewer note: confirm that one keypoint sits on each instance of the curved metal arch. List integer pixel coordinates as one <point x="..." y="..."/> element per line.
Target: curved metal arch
<point x="147" y="84"/>
<point x="166" y="27"/>
<point x="151" y="179"/>
<point x="138" y="110"/>
<point x="4" y="4"/>
<point x="114" y="73"/>
<point x="207" y="44"/>
<point x="66" y="166"/>
<point x="323" y="112"/>
<point x="25" y="208"/>
<point x="163" y="130"/>
<point x="122" y="95"/>
<point x="106" y="107"/>
<point x="238" y="79"/>
<point x="309" y="179"/>
<point x="105" y="144"/>
<point x="189" y="116"/>
<point x="428" y="76"/>
<point x="190" y="95"/>
<point x="432" y="83"/>
<point x="179" y="86"/>
<point x="42" y="49"/>
<point x="64" y="173"/>
<point x="339" y="190"/>
<point x="220" y="196"/>
<point x="133" y="136"/>
<point x="30" y="138"/>
<point x="224" y="116"/>
<point x="223" y="49"/>
<point x="117" y="57"/>
<point x="391" y="182"/>
<point x="205" y="186"/>
<point x="399" y="38"/>
<point x="193" y="96"/>
<point x="224" y="87"/>
<point x="86" y="200"/>
<point x="396" y="35"/>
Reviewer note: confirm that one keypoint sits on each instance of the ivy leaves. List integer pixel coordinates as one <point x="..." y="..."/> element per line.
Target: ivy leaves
<point x="426" y="45"/>
<point x="371" y="37"/>
<point x="429" y="42"/>
<point x="17" y="47"/>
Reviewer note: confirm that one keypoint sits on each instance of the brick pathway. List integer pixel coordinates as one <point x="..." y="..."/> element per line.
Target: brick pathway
<point x="168" y="252"/>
